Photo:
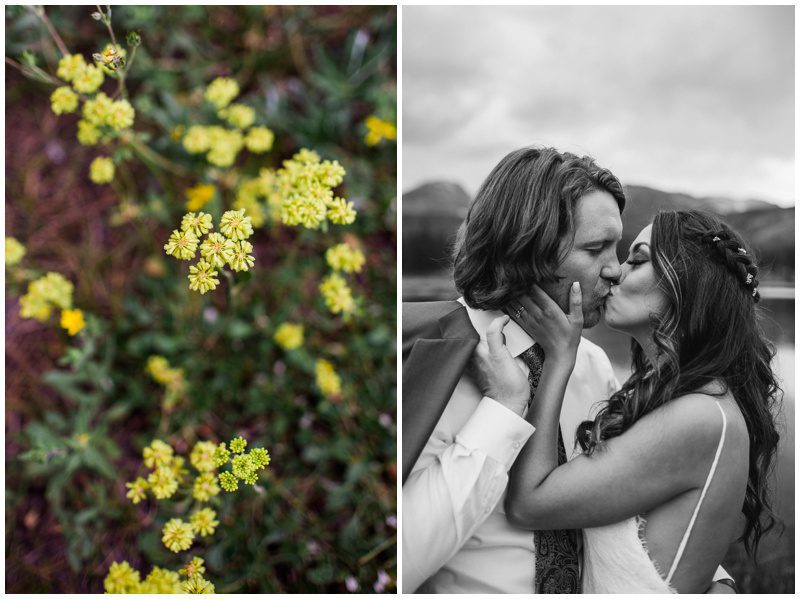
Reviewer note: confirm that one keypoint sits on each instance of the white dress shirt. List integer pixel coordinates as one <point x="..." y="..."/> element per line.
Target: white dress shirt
<point x="455" y="535"/>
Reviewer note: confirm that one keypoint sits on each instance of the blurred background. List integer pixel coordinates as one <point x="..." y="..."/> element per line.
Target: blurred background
<point x="691" y="107"/>
<point x="80" y="409"/>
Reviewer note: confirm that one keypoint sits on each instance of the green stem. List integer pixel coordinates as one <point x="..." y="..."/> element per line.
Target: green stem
<point x="385" y="545"/>
<point x="39" y="12"/>
<point x="150" y="155"/>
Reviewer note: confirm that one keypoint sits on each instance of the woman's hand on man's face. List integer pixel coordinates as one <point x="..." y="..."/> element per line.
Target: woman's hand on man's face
<point x="558" y="333"/>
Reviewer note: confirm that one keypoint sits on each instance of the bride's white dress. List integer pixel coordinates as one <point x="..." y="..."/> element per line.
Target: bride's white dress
<point x="615" y="559"/>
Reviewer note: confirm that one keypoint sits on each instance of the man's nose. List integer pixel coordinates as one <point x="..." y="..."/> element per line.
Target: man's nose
<point x="612" y="272"/>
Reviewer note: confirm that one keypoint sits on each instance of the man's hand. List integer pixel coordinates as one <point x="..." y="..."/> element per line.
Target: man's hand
<point x="496" y="373"/>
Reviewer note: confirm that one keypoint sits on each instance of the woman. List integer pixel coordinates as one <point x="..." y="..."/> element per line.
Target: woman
<point x="674" y="465"/>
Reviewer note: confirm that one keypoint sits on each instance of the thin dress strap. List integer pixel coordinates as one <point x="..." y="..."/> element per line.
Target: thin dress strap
<point x="685" y="539"/>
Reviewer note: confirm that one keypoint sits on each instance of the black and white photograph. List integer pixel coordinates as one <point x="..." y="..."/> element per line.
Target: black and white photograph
<point x="598" y="285"/>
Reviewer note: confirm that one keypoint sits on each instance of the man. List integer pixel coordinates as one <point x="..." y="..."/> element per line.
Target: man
<point x="540" y="217"/>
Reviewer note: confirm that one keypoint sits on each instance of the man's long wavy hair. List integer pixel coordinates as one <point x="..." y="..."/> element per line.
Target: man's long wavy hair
<point x="519" y="220"/>
<point x="708" y="332"/>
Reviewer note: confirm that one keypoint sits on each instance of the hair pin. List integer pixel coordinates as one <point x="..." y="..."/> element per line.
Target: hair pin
<point x="715" y="239"/>
<point x="742" y="251"/>
<point x="749" y="278"/>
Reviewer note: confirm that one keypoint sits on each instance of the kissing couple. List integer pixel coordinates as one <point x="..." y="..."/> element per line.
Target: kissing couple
<point x="526" y="467"/>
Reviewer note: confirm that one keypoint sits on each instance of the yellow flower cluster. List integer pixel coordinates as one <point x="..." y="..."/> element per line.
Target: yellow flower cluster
<point x="231" y="248"/>
<point x="103" y="118"/>
<point x="327" y="380"/>
<point x="171" y="378"/>
<point x="198" y="196"/>
<point x="337" y="294"/>
<point x="45" y="293"/>
<point x="378" y="130"/>
<point x="222" y="91"/>
<point x="345" y="258"/>
<point x="85" y="78"/>
<point x="177" y="535"/>
<point x="101" y="170"/>
<point x="305" y="186"/>
<point x="123" y="579"/>
<point x="72" y="321"/>
<point x="289" y="336"/>
<point x="221" y="145"/>
<point x="63" y="100"/>
<point x="15" y="251"/>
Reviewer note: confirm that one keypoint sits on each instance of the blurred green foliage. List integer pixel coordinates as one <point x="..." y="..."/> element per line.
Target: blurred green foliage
<point x="326" y="512"/>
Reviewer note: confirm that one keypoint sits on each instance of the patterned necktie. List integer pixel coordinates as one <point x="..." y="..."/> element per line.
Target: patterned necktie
<point x="556" y="550"/>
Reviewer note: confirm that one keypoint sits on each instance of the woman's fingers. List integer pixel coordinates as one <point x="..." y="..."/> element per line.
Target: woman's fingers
<point x="575" y="314"/>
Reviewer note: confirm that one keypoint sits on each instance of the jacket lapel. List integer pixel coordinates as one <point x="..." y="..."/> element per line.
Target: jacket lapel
<point x="430" y="376"/>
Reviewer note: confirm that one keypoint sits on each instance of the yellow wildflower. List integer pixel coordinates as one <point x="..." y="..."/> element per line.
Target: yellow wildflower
<point x="238" y="444"/>
<point x="260" y="457"/>
<point x="341" y="212"/>
<point x="235" y="225"/>
<point x="157" y="454"/>
<point x="259" y="139"/>
<point x="175" y="466"/>
<point x="72" y="320"/>
<point x="205" y="486"/>
<point x="289" y="336"/>
<point x="238" y="115"/>
<point x="228" y="481"/>
<point x="161" y="581"/>
<point x="121" y="115"/>
<point x="112" y="58"/>
<point x="345" y="258"/>
<point x="101" y="170"/>
<point x="337" y="294"/>
<point x="70" y="66"/>
<point x="15" y="251"/>
<point x="97" y="109"/>
<point x="162" y="482"/>
<point x="197" y="139"/>
<point x="88" y="134"/>
<point x="327" y="380"/>
<point x="202" y="456"/>
<point x="177" y="535"/>
<point x="63" y="100"/>
<point x="198" y="196"/>
<point x="225" y="145"/>
<point x="88" y="80"/>
<point x="32" y="306"/>
<point x="182" y="245"/>
<point x="121" y="578"/>
<point x="241" y="256"/>
<point x="204" y="521"/>
<point x="137" y="490"/>
<point x="193" y="567"/>
<point x="217" y="249"/>
<point x="202" y="277"/>
<point x="198" y="223"/>
<point x="378" y="130"/>
<point x="197" y="585"/>
<point x="222" y="91"/>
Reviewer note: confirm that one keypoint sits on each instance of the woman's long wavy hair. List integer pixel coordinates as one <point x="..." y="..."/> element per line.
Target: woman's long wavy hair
<point x="709" y="331"/>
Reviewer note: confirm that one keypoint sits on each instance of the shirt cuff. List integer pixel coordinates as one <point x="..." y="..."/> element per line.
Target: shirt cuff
<point x="496" y="431"/>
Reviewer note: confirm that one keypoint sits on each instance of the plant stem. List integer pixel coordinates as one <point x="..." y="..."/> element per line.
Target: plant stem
<point x="147" y="153"/>
<point x="39" y="12"/>
<point x="386" y="544"/>
<point x="37" y="75"/>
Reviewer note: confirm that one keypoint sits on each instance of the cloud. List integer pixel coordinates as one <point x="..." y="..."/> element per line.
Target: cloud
<point x="699" y="96"/>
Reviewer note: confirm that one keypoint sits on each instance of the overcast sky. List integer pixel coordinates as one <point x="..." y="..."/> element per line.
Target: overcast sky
<point x="690" y="99"/>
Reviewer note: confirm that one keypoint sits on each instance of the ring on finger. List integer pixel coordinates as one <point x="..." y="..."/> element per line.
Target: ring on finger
<point x="519" y="310"/>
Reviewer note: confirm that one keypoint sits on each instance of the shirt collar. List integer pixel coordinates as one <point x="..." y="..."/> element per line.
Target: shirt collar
<point x="517" y="340"/>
